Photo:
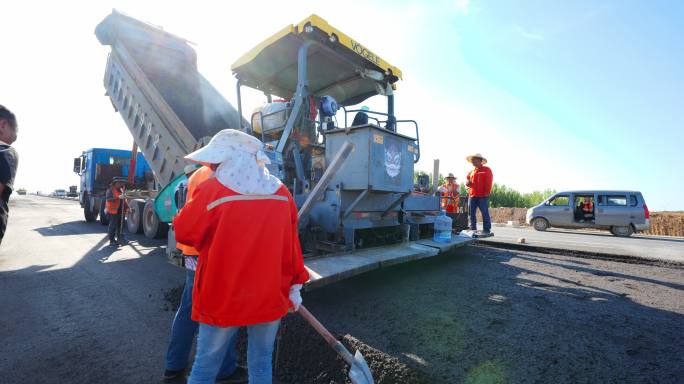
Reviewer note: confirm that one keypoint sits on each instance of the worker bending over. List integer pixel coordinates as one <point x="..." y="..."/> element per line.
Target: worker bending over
<point x="250" y="269"/>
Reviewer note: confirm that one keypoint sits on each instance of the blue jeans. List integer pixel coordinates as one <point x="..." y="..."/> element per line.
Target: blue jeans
<point x="483" y="204"/>
<point x="212" y="344"/>
<point x="183" y="333"/>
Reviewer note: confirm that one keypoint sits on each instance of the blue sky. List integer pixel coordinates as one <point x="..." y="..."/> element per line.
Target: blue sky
<point x="563" y="95"/>
<point x="589" y="93"/>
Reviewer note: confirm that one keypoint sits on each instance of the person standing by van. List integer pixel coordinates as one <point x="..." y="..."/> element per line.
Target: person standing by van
<point x="479" y="183"/>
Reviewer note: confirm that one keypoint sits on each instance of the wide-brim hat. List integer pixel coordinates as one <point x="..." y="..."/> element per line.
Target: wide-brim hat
<point x="451" y="176"/>
<point x="478" y="156"/>
<point x="223" y="144"/>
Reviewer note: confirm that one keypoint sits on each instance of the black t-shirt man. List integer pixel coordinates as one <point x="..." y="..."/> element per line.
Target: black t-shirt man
<point x="8" y="169"/>
<point x="8" y="163"/>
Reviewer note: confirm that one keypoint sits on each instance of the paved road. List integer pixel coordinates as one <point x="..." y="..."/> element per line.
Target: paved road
<point x="669" y="249"/>
<point x="75" y="310"/>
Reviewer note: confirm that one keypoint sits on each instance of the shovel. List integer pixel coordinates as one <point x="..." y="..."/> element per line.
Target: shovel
<point x="359" y="372"/>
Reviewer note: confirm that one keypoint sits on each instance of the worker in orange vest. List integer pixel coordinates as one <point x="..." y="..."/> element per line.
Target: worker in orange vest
<point x="183" y="329"/>
<point x="450" y="190"/>
<point x="115" y="207"/>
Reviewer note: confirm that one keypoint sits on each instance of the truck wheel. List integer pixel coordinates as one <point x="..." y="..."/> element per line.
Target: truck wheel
<point x="153" y="228"/>
<point x="104" y="216"/>
<point x="134" y="216"/>
<point x="540" y="224"/>
<point x="622" y="231"/>
<point x="88" y="212"/>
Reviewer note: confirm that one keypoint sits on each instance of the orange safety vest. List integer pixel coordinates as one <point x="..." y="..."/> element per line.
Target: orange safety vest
<point x="449" y="201"/>
<point x="588" y="207"/>
<point x="195" y="179"/>
<point x="112" y="206"/>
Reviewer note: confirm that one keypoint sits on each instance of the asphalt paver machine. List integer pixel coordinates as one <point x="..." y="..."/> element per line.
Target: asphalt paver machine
<point x="351" y="170"/>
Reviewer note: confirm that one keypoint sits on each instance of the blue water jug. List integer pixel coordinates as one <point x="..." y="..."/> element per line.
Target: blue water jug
<point x="442" y="228"/>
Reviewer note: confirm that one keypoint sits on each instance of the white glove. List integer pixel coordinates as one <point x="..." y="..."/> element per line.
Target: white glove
<point x="295" y="296"/>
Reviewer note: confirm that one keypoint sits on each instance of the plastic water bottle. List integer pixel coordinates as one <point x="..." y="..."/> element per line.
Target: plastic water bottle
<point x="442" y="228"/>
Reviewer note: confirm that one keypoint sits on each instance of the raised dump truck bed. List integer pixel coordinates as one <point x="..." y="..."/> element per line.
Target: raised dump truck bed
<point x="153" y="81"/>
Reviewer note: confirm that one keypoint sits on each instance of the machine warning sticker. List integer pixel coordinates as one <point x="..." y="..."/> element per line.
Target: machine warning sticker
<point x="379" y="139"/>
<point x="392" y="160"/>
<point x="410" y="148"/>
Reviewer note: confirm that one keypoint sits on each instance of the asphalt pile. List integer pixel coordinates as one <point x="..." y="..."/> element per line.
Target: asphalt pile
<point x="303" y="356"/>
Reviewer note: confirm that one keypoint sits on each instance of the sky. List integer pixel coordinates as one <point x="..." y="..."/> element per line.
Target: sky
<point x="562" y="95"/>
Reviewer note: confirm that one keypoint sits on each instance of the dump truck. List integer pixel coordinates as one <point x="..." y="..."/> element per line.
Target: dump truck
<point x="170" y="109"/>
<point x="96" y="167"/>
<point x="350" y="170"/>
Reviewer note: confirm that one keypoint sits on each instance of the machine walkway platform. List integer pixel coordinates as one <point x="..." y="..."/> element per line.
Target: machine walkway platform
<point x="333" y="268"/>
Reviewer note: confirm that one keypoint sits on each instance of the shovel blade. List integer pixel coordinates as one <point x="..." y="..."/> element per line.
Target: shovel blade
<point x="360" y="373"/>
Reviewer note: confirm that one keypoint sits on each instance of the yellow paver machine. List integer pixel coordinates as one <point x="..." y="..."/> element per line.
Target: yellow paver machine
<point x="350" y="169"/>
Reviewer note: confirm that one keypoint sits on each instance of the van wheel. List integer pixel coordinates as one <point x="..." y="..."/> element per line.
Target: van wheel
<point x="622" y="231"/>
<point x="540" y="224"/>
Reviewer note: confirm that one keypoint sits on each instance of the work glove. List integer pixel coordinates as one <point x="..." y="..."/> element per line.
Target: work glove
<point x="295" y="297"/>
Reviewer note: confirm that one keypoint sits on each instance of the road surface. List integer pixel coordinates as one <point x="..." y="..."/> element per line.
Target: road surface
<point x="75" y="310"/>
<point x="657" y="248"/>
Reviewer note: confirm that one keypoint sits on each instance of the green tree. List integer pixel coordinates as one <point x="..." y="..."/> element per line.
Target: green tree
<point x="503" y="196"/>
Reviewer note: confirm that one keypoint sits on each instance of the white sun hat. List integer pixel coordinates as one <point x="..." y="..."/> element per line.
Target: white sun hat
<point x="241" y="162"/>
<point x="477" y="155"/>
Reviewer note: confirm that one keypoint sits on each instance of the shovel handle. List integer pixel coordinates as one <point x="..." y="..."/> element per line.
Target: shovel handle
<point x="329" y="338"/>
<point x="317" y="325"/>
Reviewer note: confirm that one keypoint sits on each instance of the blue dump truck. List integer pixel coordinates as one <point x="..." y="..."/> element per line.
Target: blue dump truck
<point x="97" y="167"/>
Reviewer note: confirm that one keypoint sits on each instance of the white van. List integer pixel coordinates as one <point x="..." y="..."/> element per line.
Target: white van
<point x="621" y="212"/>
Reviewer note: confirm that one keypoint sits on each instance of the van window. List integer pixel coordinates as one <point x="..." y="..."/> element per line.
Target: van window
<point x="633" y="201"/>
<point x="560" y="200"/>
<point x="617" y="200"/>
